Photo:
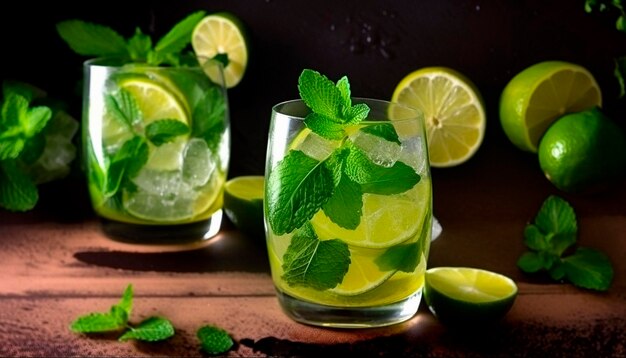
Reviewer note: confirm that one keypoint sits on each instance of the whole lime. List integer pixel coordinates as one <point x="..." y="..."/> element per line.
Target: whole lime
<point x="583" y="151"/>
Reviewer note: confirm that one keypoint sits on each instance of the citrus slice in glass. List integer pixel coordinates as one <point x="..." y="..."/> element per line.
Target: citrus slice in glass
<point x="386" y="220"/>
<point x="453" y="110"/>
<point x="541" y="93"/>
<point x="363" y="274"/>
<point x="459" y="295"/>
<point x="243" y="203"/>
<point x="222" y="34"/>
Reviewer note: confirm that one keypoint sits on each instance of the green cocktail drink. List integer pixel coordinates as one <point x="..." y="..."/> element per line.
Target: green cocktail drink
<point x="156" y="144"/>
<point x="348" y="209"/>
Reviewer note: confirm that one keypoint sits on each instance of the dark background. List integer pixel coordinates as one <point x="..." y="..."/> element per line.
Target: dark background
<point x="374" y="43"/>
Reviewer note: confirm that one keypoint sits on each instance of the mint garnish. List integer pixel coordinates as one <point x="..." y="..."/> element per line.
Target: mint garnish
<point x="214" y="340"/>
<point x="89" y="39"/>
<point x="123" y="107"/>
<point x="151" y="329"/>
<point x="311" y="262"/>
<point x="165" y="130"/>
<point x="114" y="320"/>
<point x="300" y="186"/>
<point x="553" y="232"/>
<point x="126" y="163"/>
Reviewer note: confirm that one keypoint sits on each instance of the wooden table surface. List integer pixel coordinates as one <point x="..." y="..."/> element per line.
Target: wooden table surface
<point x="57" y="264"/>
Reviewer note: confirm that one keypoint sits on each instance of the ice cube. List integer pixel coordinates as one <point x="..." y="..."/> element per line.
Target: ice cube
<point x="198" y="163"/>
<point x="377" y="149"/>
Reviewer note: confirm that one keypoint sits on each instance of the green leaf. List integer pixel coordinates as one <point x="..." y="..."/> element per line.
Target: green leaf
<point x="344" y="89"/>
<point x="589" y="268"/>
<point x="126" y="163"/>
<point x="403" y="257"/>
<point x="139" y="46"/>
<point x="126" y="302"/>
<point x="123" y="107"/>
<point x="324" y="126"/>
<point x="17" y="191"/>
<point x="297" y="188"/>
<point x="320" y="94"/>
<point x="209" y="115"/>
<point x="165" y="130"/>
<point x="214" y="340"/>
<point x="530" y="262"/>
<point x="310" y="262"/>
<point x="345" y="206"/>
<point x="377" y="179"/>
<point x="180" y="35"/>
<point x="23" y="89"/>
<point x="97" y="323"/>
<point x="89" y="39"/>
<point x="383" y="130"/>
<point x="152" y="329"/>
<point x="557" y="217"/>
<point x="18" y="123"/>
<point x="356" y="113"/>
<point x="557" y="270"/>
<point x="534" y="238"/>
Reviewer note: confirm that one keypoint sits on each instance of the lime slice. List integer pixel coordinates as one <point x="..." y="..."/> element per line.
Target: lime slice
<point x="453" y="110"/>
<point x="387" y="220"/>
<point x="222" y="34"/>
<point x="459" y="295"/>
<point x="243" y="204"/>
<point x="540" y="94"/>
<point x="363" y="274"/>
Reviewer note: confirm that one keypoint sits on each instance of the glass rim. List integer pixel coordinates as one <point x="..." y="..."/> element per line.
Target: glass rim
<point x="419" y="114"/>
<point x="119" y="61"/>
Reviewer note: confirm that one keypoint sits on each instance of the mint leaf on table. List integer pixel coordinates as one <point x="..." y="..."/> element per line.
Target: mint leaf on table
<point x="555" y="231"/>
<point x="165" y="130"/>
<point x="314" y="263"/>
<point x="152" y="329"/>
<point x="89" y="39"/>
<point x="214" y="340"/>
<point x="297" y="188"/>
<point x="18" y="192"/>
<point x="114" y="320"/>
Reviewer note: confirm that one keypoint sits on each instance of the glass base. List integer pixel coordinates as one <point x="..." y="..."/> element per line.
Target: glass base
<point x="349" y="317"/>
<point x="180" y="234"/>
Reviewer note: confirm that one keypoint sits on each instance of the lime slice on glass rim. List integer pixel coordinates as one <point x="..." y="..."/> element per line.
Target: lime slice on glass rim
<point x="463" y="295"/>
<point x="243" y="204"/>
<point x="219" y="36"/>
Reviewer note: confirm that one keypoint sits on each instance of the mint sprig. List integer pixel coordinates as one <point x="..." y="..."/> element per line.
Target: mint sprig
<point x="90" y="39"/>
<point x="214" y="340"/>
<point x="552" y="234"/>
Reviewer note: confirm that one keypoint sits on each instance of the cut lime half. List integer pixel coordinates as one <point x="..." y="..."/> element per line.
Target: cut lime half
<point x="243" y="204"/>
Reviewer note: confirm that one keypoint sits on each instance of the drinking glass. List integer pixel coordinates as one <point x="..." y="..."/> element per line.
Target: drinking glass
<point x="348" y="221"/>
<point x="156" y="149"/>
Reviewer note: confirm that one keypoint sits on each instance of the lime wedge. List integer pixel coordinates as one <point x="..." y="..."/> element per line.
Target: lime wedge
<point x="462" y="295"/>
<point x="363" y="274"/>
<point x="222" y="34"/>
<point x="243" y="204"/>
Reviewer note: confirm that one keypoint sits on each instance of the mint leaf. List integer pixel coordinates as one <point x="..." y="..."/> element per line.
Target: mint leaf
<point x="114" y="320"/>
<point x="180" y="35"/>
<point x="297" y="188"/>
<point x="324" y="126"/>
<point x="345" y="206"/>
<point x="310" y="262"/>
<point x="557" y="221"/>
<point x="123" y="107"/>
<point x="17" y="191"/>
<point x="530" y="262"/>
<point x="126" y="163"/>
<point x="165" y="130"/>
<point x="139" y="46"/>
<point x="383" y="130"/>
<point x="343" y="85"/>
<point x="534" y="238"/>
<point x="90" y="39"/>
<point x="18" y="123"/>
<point x="377" y="179"/>
<point x="209" y="113"/>
<point x="321" y="95"/>
<point x="403" y="257"/>
<point x="589" y="268"/>
<point x="152" y="329"/>
<point x="214" y="340"/>
<point x="356" y="113"/>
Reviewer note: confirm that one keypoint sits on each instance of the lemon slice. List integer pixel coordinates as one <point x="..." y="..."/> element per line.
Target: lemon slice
<point x="387" y="220"/>
<point x="453" y="111"/>
<point x="220" y="34"/>
<point x="364" y="274"/>
<point x="468" y="295"/>
<point x="541" y="93"/>
<point x="243" y="204"/>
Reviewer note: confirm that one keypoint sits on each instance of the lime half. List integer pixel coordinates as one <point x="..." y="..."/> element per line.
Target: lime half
<point x="460" y="295"/>
<point x="243" y="204"/>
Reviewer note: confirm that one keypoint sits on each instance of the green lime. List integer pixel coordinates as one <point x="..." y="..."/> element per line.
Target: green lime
<point x="462" y="295"/>
<point x="541" y="93"/>
<point x="583" y="151"/>
<point x="222" y="34"/>
<point x="243" y="204"/>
